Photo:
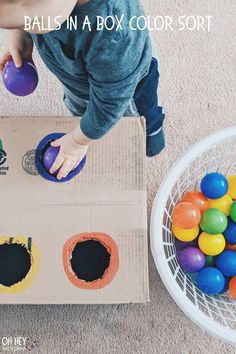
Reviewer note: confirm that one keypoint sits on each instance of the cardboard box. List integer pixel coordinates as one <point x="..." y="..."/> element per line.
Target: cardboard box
<point x="108" y="196"/>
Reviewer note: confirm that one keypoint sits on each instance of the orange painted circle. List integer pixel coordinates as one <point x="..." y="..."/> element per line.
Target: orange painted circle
<point x="110" y="272"/>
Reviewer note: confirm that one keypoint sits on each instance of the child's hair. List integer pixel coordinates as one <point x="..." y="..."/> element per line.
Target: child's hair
<point x="13" y="12"/>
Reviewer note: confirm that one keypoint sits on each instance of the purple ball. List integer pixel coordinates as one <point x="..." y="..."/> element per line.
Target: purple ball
<point x="191" y="259"/>
<point x="20" y="81"/>
<point x="49" y="157"/>
<point x="180" y="245"/>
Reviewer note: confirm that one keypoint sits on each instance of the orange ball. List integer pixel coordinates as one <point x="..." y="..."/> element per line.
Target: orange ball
<point x="230" y="247"/>
<point x="186" y="215"/>
<point x="232" y="287"/>
<point x="198" y="199"/>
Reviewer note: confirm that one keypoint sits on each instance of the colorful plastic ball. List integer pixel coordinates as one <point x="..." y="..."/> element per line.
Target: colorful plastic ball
<point x="214" y="221"/>
<point x="226" y="262"/>
<point x="230" y="232"/>
<point x="211" y="281"/>
<point x="198" y="199"/>
<point x="226" y="286"/>
<point x="233" y="211"/>
<point x="180" y="245"/>
<point x="223" y="204"/>
<point x="20" y="81"/>
<point x="230" y="247"/>
<point x="185" y="235"/>
<point x="210" y="261"/>
<point x="191" y="259"/>
<point x="49" y="157"/>
<point x="186" y="215"/>
<point x="214" y="185"/>
<point x="211" y="245"/>
<point x="232" y="287"/>
<point x="232" y="186"/>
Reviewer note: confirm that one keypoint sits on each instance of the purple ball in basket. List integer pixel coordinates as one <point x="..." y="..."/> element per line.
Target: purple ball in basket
<point x="180" y="245"/>
<point x="20" y="81"/>
<point x="191" y="259"/>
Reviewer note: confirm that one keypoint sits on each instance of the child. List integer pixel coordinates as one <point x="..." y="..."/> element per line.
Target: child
<point x="106" y="74"/>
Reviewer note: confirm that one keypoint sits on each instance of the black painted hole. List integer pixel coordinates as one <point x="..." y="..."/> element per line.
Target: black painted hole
<point x="89" y="260"/>
<point x="15" y="263"/>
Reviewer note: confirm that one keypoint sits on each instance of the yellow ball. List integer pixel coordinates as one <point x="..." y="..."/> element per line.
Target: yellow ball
<point x="222" y="204"/>
<point x="211" y="245"/>
<point x="185" y="235"/>
<point x="232" y="186"/>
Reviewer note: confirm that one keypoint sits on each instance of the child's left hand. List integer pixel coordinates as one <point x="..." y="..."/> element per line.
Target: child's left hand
<point x="70" y="155"/>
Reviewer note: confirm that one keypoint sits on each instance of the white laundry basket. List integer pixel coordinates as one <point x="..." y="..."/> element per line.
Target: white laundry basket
<point x="215" y="314"/>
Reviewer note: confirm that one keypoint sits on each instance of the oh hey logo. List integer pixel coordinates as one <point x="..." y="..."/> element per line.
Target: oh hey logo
<point x="12" y="344"/>
<point x="3" y="160"/>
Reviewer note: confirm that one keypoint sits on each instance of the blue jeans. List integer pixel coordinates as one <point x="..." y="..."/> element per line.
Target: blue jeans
<point x="146" y="100"/>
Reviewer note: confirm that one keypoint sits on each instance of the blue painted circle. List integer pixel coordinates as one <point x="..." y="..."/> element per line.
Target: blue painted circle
<point x="42" y="146"/>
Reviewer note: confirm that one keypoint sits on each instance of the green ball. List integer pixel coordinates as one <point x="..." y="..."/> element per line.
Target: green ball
<point x="214" y="221"/>
<point x="210" y="261"/>
<point x="233" y="211"/>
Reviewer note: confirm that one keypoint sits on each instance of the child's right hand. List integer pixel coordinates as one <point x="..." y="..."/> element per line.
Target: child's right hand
<point x="20" y="47"/>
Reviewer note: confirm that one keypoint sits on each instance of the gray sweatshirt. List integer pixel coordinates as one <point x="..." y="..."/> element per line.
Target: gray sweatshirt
<point x="101" y="66"/>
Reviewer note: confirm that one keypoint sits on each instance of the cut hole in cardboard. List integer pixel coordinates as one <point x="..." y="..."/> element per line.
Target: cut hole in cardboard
<point x="15" y="263"/>
<point x="91" y="260"/>
<point x="19" y="262"/>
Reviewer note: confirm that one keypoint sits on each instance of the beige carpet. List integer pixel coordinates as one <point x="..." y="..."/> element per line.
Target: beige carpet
<point x="198" y="92"/>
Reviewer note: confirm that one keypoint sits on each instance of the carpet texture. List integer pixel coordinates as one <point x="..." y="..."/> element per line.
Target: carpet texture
<point x="197" y="90"/>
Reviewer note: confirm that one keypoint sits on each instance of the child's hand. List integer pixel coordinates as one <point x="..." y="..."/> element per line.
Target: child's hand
<point x="20" y="48"/>
<point x="70" y="155"/>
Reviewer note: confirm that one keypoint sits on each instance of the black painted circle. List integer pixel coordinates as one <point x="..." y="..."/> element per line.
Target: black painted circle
<point x="89" y="260"/>
<point x="15" y="263"/>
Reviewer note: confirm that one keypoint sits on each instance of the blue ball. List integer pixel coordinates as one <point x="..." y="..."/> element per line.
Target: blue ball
<point x="230" y="232"/>
<point x="226" y="262"/>
<point x="214" y="185"/>
<point x="211" y="281"/>
<point x="226" y="286"/>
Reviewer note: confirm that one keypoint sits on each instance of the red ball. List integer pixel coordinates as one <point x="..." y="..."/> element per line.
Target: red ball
<point x="186" y="215"/>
